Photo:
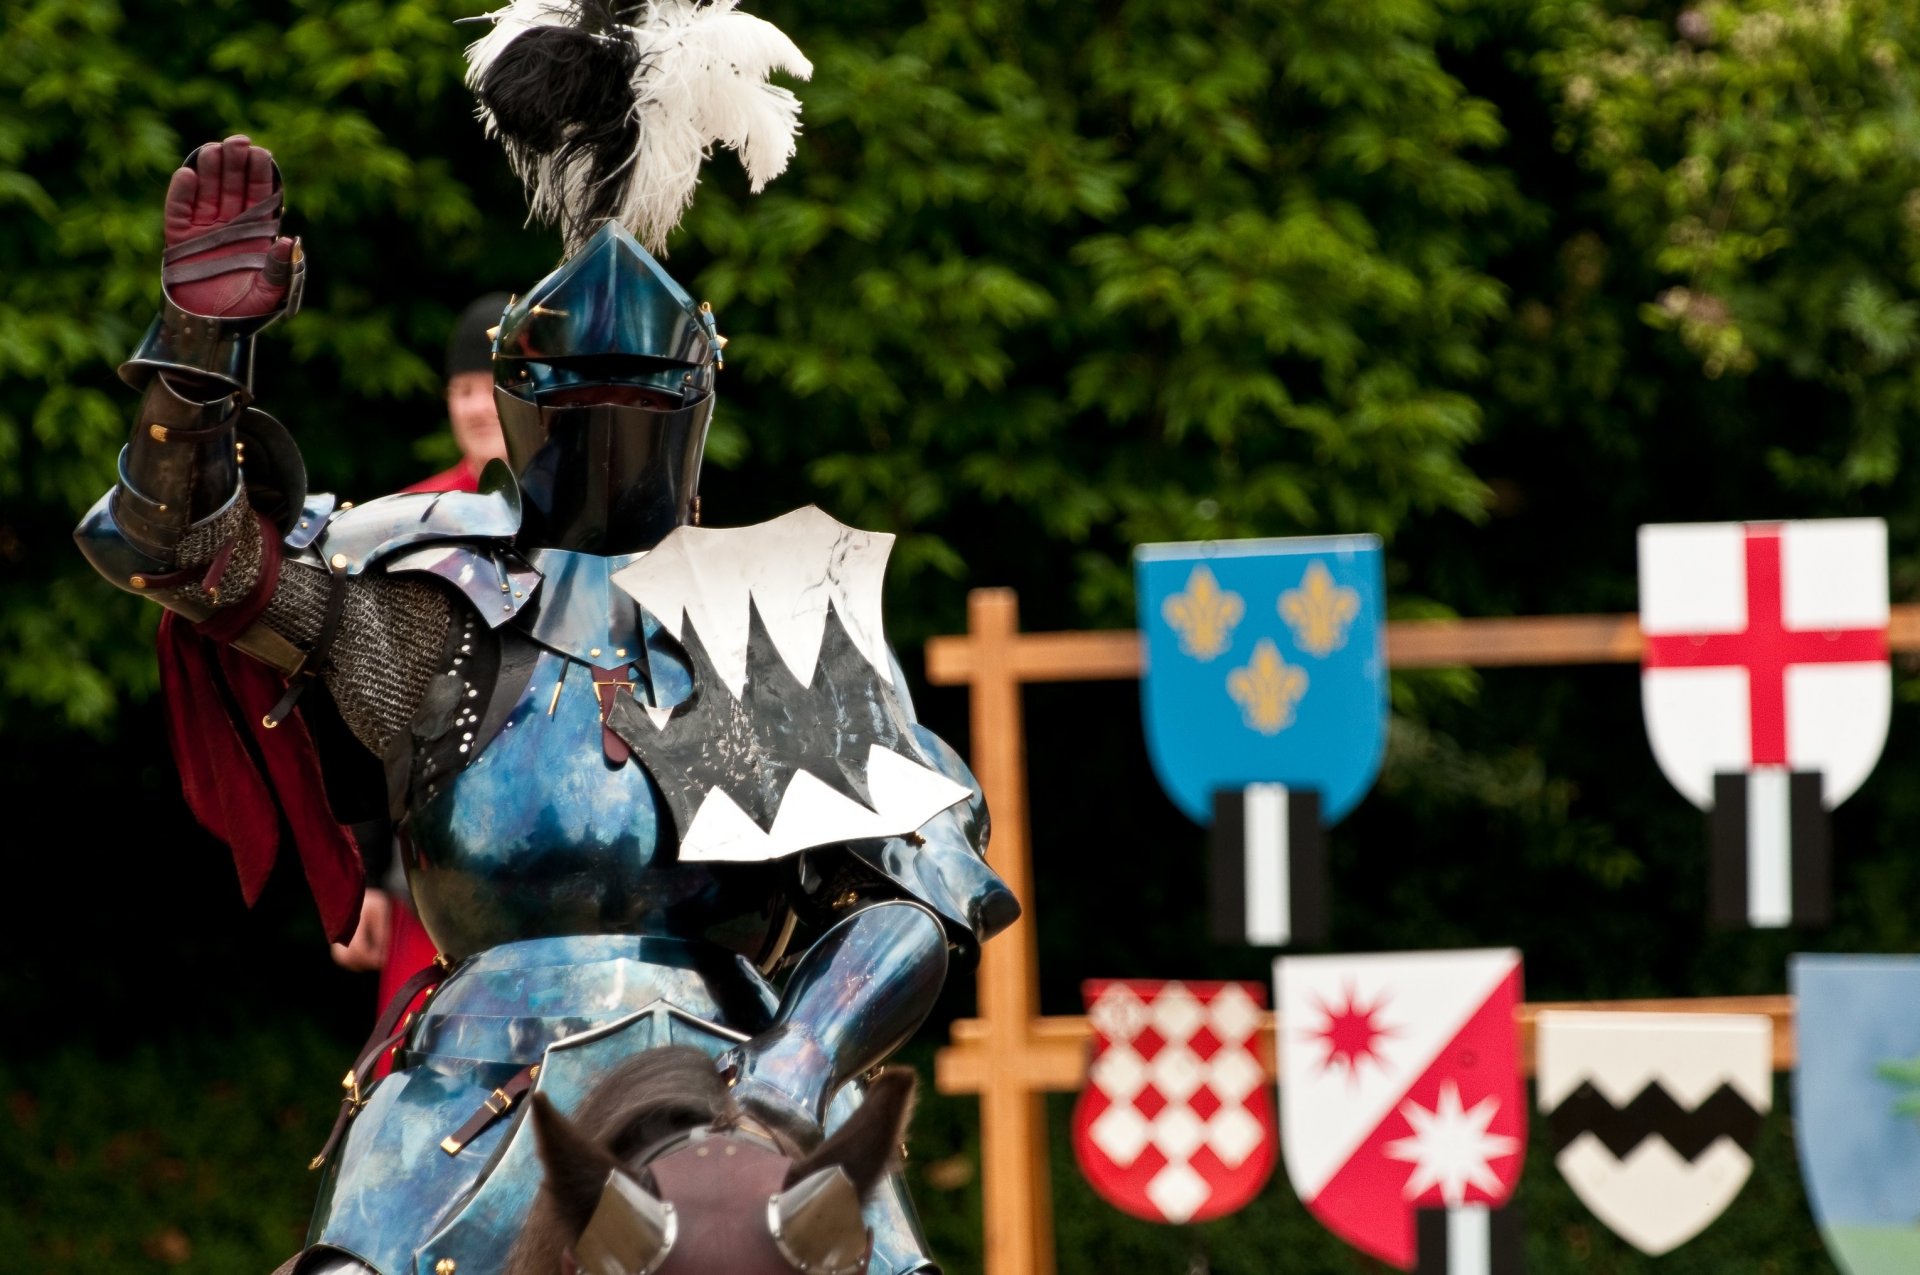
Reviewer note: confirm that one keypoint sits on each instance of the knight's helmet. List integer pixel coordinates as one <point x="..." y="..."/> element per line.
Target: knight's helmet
<point x="604" y="377"/>
<point x="604" y="371"/>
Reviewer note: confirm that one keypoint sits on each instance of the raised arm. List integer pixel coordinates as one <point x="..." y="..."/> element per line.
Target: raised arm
<point x="207" y="517"/>
<point x="226" y="273"/>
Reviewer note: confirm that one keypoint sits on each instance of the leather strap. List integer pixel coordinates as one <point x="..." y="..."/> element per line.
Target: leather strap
<point x="206" y="575"/>
<point x="607" y="685"/>
<point x="388" y="1031"/>
<point x="165" y="433"/>
<point x="230" y="622"/>
<point x="497" y="1104"/>
<point x="316" y="656"/>
<point x="257" y="222"/>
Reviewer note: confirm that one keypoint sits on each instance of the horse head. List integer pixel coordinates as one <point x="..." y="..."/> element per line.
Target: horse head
<point x="660" y="1172"/>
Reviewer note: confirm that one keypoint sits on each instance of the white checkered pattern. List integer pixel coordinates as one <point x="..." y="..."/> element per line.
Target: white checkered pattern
<point x="1165" y="1061"/>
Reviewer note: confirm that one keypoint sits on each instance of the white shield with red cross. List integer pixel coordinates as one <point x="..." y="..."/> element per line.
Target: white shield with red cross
<point x="1767" y="694"/>
<point x="1765" y="646"/>
<point x="1400" y="1092"/>
<point x="1176" y="1121"/>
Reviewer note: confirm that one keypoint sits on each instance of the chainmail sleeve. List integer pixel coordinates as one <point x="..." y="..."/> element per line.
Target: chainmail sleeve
<point x="392" y="639"/>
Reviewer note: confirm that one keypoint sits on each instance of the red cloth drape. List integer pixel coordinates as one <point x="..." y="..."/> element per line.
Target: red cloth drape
<point x="246" y="783"/>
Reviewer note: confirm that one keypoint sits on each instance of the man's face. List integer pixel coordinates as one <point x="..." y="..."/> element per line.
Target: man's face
<point x="476" y="422"/>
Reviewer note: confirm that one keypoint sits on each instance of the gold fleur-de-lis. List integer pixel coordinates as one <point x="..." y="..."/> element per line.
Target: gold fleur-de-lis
<point x="1319" y="611"/>
<point x="1204" y="615"/>
<point x="1267" y="689"/>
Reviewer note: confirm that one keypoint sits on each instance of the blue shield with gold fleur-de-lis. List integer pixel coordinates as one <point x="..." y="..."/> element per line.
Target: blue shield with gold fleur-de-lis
<point x="1265" y="663"/>
<point x="1264" y="694"/>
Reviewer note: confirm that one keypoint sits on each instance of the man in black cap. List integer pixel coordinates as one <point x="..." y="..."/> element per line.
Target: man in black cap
<point x="470" y="408"/>
<point x="389" y="937"/>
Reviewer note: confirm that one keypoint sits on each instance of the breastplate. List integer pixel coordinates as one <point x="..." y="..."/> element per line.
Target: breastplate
<point x="542" y="835"/>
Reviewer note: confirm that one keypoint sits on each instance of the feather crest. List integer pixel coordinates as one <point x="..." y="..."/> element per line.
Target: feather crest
<point x="608" y="113"/>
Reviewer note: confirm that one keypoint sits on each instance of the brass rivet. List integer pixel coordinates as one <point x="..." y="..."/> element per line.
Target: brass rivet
<point x="445" y="1266"/>
<point x="346" y="505"/>
<point x="161" y="508"/>
<point x="503" y="586"/>
<point x="303" y="522"/>
<point x="159" y="433"/>
<point x="595" y="652"/>
<point x="619" y="650"/>
<point x="339" y="561"/>
<point x="516" y="593"/>
<point x="507" y="607"/>
<point x="138" y="582"/>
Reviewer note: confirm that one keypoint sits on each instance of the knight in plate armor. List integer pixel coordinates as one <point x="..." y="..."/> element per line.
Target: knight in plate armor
<point x="633" y="762"/>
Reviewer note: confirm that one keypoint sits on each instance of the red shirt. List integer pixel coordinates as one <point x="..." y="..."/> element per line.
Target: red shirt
<point x="462" y="477"/>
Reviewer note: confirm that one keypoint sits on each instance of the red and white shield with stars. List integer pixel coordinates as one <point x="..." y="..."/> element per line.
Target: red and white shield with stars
<point x="1765" y="647"/>
<point x="1400" y="1088"/>
<point x="1176" y="1121"/>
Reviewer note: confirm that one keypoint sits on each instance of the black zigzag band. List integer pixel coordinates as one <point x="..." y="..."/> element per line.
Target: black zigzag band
<point x="1654" y="1113"/>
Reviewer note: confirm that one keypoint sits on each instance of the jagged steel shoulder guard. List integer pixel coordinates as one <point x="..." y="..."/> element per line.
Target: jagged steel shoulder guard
<point x="461" y="537"/>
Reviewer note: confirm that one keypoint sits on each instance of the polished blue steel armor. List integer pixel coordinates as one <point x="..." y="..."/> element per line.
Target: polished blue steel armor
<point x="541" y="856"/>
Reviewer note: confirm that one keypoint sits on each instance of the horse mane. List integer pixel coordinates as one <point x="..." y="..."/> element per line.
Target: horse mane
<point x="649" y="1097"/>
<point x="654" y="1095"/>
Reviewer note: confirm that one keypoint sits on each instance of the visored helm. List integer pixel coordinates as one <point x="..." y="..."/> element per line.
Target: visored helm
<point x="603" y="374"/>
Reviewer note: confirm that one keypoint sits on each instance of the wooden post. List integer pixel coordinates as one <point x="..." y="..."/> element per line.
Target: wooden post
<point x="1013" y="1118"/>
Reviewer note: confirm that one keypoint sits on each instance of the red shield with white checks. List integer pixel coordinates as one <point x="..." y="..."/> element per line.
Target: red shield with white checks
<point x="1176" y="1121"/>
<point x="1399" y="1088"/>
<point x="1765" y="646"/>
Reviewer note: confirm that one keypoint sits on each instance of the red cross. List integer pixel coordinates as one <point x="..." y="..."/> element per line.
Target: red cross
<point x="1765" y="648"/>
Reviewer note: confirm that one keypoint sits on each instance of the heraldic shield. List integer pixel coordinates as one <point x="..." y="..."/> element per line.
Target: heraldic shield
<point x="1765" y="646"/>
<point x="1767" y="694"/>
<point x="1655" y="1116"/>
<point x="1856" y="1106"/>
<point x="1400" y="1091"/>
<point x="1265" y="663"/>
<point x="1176" y="1121"/>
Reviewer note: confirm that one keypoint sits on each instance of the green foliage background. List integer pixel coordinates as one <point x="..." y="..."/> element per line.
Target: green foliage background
<point x="1496" y="279"/>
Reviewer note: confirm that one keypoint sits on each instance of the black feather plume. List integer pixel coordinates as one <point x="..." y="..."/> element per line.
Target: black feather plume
<point x="564" y="95"/>
<point x="607" y="110"/>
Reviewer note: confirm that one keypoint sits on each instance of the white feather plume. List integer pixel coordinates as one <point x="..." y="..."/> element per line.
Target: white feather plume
<point x="700" y="81"/>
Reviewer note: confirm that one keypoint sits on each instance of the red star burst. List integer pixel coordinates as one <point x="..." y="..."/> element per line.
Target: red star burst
<point x="1351" y="1032"/>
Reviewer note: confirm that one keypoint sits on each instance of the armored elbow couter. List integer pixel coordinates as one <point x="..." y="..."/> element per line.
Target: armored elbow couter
<point x="855" y="997"/>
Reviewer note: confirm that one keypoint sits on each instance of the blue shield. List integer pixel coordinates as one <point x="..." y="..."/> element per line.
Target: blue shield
<point x="1856" y="1106"/>
<point x="1265" y="663"/>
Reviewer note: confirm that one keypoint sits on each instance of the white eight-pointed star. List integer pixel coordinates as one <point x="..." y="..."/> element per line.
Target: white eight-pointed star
<point x="1450" y="1147"/>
